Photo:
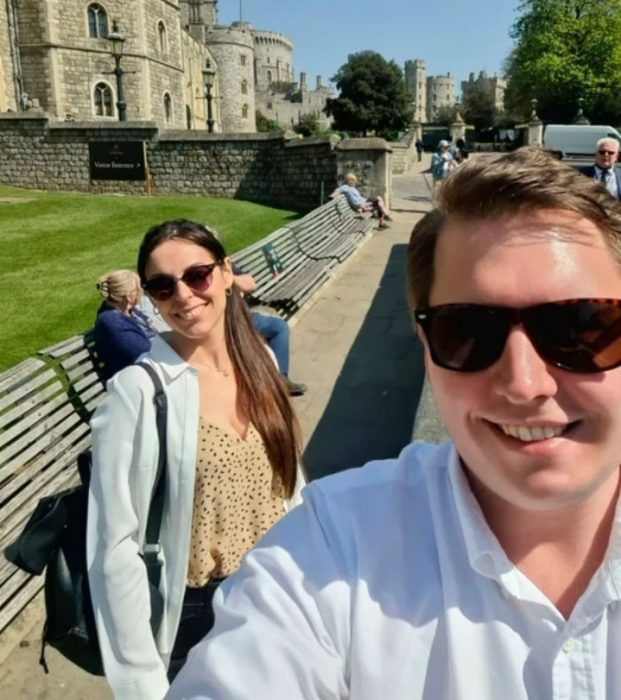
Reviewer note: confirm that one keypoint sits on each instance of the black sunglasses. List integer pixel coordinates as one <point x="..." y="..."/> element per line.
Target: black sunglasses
<point x="578" y="335"/>
<point x="198" y="279"/>
<point x="604" y="152"/>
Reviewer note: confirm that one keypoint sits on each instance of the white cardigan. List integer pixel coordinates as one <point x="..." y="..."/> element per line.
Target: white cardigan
<point x="125" y="451"/>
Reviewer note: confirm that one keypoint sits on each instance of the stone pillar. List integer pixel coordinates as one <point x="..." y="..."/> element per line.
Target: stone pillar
<point x="458" y="126"/>
<point x="534" y="133"/>
<point x="370" y="160"/>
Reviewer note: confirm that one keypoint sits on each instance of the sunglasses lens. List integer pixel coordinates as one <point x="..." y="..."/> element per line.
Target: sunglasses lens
<point x="198" y="278"/>
<point x="160" y="288"/>
<point x="579" y="336"/>
<point x="465" y="338"/>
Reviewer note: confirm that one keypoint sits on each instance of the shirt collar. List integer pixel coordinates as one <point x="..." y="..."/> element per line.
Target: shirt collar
<point x="488" y="558"/>
<point x="170" y="362"/>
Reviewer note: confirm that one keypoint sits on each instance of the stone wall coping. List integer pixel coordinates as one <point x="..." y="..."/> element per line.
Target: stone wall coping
<point x="312" y="141"/>
<point x="200" y="135"/>
<point x="103" y="126"/>
<point x="24" y="116"/>
<point x="364" y="144"/>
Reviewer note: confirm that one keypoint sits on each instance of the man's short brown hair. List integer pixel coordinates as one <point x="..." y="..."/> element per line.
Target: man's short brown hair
<point x="528" y="179"/>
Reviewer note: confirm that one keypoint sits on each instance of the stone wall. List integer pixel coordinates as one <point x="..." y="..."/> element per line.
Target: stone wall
<point x="37" y="153"/>
<point x="370" y="160"/>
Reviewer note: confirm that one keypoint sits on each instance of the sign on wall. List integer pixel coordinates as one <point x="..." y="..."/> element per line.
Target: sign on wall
<point x="117" y="160"/>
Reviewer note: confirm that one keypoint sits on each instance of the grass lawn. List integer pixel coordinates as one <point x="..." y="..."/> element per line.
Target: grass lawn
<point x="54" y="246"/>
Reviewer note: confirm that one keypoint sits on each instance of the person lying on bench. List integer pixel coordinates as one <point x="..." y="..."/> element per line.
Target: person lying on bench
<point x="359" y="202"/>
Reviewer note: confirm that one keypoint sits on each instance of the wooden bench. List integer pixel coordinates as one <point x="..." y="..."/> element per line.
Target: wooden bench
<point x="293" y="262"/>
<point x="46" y="402"/>
<point x="45" y="407"/>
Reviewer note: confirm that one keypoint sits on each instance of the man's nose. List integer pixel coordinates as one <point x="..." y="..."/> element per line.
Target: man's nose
<point x="521" y="375"/>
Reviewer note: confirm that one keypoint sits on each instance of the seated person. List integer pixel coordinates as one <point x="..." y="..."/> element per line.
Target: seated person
<point x="274" y="329"/>
<point x="122" y="332"/>
<point x="359" y="202"/>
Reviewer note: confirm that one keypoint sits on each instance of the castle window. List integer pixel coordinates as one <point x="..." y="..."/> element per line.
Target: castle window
<point x="242" y="59"/>
<point x="188" y="116"/>
<point x="97" y="21"/>
<point x="269" y="76"/>
<point x="167" y="107"/>
<point x="102" y="100"/>
<point x="244" y="87"/>
<point x="163" y="39"/>
<point x="245" y="112"/>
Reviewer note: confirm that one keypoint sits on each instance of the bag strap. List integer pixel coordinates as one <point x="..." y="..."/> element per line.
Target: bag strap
<point x="156" y="509"/>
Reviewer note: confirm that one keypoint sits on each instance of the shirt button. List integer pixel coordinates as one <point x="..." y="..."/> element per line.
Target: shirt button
<point x="569" y="646"/>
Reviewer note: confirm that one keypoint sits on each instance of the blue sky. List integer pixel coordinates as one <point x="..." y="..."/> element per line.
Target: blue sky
<point x="455" y="36"/>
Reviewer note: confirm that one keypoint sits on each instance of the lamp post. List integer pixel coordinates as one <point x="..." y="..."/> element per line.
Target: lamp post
<point x="209" y="77"/>
<point x="117" y="40"/>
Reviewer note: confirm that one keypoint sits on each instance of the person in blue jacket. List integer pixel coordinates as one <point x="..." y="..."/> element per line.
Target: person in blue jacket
<point x="122" y="331"/>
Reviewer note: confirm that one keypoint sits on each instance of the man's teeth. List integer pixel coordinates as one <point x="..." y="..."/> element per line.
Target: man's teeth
<point x="532" y="432"/>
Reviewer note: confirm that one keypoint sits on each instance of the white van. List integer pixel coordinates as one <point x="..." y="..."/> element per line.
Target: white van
<point x="571" y="140"/>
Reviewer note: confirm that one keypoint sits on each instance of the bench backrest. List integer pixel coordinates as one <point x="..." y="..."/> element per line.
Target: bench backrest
<point x="45" y="407"/>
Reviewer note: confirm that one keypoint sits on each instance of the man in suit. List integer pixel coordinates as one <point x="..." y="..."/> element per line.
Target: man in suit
<point x="606" y="154"/>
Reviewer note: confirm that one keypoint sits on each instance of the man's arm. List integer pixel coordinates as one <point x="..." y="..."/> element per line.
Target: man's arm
<point x="245" y="282"/>
<point x="285" y="615"/>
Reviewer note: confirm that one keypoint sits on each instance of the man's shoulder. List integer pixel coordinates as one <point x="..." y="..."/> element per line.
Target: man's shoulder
<point x="587" y="170"/>
<point x="384" y="482"/>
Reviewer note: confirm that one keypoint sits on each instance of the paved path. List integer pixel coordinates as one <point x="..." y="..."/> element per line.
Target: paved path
<point x="355" y="349"/>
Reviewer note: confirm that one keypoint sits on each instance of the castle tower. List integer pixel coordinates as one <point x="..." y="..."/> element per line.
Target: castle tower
<point x="416" y="85"/>
<point x="440" y="92"/>
<point x="233" y="49"/>
<point x="199" y="12"/>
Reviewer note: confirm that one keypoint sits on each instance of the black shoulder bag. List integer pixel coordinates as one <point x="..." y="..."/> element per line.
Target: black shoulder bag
<point x="55" y="536"/>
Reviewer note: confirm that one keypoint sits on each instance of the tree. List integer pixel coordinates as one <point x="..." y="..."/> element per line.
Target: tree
<point x="444" y="114"/>
<point x="372" y="96"/>
<point x="265" y="124"/>
<point x="308" y="125"/>
<point x="478" y="106"/>
<point x="566" y="49"/>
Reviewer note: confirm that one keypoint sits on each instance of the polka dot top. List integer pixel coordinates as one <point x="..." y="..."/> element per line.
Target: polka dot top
<point x="236" y="500"/>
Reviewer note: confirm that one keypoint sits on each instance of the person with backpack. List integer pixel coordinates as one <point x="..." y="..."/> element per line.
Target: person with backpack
<point x="232" y="456"/>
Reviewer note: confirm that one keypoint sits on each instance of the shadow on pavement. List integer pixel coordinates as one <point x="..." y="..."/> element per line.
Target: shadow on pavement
<point x="370" y="414"/>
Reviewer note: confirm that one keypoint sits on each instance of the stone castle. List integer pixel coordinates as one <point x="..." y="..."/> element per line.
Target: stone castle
<point x="429" y="93"/>
<point x="55" y="56"/>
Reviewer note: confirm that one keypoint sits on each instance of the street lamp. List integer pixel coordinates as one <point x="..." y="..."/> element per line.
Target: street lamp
<point x="117" y="40"/>
<point x="209" y="77"/>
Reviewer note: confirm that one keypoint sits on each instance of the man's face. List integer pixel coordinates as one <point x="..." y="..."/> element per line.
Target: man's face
<point x="607" y="154"/>
<point x="518" y="262"/>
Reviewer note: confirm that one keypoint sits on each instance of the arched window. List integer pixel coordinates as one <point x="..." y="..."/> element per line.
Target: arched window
<point x="188" y="116"/>
<point x="242" y="59"/>
<point x="245" y="112"/>
<point x="97" y="21"/>
<point x="102" y="100"/>
<point x="161" y="33"/>
<point x="244" y="87"/>
<point x="269" y="76"/>
<point x="167" y="107"/>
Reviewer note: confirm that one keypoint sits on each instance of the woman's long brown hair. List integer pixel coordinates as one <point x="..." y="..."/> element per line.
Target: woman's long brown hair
<point x="261" y="389"/>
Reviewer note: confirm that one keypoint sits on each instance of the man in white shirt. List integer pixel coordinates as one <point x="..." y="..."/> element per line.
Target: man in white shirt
<point x="604" y="171"/>
<point x="490" y="567"/>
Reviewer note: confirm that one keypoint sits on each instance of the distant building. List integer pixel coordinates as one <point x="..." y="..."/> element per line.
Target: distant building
<point x="440" y="93"/>
<point x="55" y="54"/>
<point x="416" y="85"/>
<point x="494" y="86"/>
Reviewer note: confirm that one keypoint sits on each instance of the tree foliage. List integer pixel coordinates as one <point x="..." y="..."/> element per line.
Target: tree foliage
<point x="265" y="123"/>
<point x="444" y="114"/>
<point x="566" y="50"/>
<point x="308" y="125"/>
<point x="479" y="107"/>
<point x="372" y="96"/>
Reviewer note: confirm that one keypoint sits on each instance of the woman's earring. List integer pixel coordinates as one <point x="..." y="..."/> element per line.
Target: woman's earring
<point x="229" y="291"/>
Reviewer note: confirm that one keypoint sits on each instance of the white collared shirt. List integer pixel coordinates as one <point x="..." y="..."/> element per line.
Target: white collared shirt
<point x="387" y="584"/>
<point x="611" y="180"/>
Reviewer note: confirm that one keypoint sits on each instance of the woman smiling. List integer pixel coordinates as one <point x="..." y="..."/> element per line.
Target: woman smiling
<point x="232" y="452"/>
